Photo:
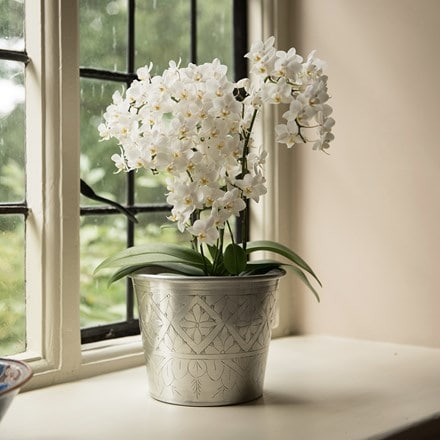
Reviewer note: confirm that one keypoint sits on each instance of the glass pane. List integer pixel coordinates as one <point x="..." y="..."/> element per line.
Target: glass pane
<point x="103" y="30"/>
<point x="12" y="24"/>
<point x="150" y="188"/>
<point x="101" y="236"/>
<point x="12" y="129"/>
<point x="214" y="32"/>
<point x="150" y="230"/>
<point x="97" y="168"/>
<point x="162" y="33"/>
<point x="12" y="291"/>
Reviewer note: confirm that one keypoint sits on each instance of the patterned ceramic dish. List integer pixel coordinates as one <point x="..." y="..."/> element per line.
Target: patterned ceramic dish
<point x="13" y="375"/>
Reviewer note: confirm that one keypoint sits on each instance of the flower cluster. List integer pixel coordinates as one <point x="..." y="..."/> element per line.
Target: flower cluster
<point x="285" y="77"/>
<point x="195" y="125"/>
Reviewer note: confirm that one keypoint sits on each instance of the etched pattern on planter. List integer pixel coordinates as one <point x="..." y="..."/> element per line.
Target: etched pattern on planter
<point x="206" y="347"/>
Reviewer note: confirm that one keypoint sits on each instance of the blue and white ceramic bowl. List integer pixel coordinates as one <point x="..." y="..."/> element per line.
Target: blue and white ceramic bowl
<point x="13" y="375"/>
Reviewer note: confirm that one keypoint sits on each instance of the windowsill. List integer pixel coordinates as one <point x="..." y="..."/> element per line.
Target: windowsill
<point x="316" y="388"/>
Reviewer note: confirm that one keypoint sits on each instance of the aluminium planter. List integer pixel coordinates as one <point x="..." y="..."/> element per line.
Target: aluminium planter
<point x="206" y="339"/>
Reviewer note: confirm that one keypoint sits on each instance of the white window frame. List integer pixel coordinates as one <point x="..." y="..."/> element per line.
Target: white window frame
<point x="54" y="348"/>
<point x="52" y="139"/>
<point x="271" y="218"/>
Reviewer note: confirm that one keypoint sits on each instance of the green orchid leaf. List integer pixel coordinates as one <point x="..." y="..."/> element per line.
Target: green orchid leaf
<point x="144" y="260"/>
<point x="123" y="272"/>
<point x="178" y="268"/>
<point x="234" y="259"/>
<point x="271" y="246"/>
<point x="218" y="268"/>
<point x="262" y="267"/>
<point x="213" y="251"/>
<point x="155" y="253"/>
<point x="302" y="276"/>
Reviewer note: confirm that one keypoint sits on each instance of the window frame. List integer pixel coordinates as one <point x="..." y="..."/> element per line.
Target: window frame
<point x="54" y="348"/>
<point x="52" y="137"/>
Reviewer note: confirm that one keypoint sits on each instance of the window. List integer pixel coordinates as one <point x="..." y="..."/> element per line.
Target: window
<point x="116" y="38"/>
<point x="43" y="101"/>
<point x="41" y="232"/>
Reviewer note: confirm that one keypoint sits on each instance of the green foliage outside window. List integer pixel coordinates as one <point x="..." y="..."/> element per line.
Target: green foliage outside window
<point x="162" y="33"/>
<point x="12" y="182"/>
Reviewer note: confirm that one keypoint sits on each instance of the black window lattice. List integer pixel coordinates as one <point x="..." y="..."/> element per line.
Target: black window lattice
<point x="130" y="326"/>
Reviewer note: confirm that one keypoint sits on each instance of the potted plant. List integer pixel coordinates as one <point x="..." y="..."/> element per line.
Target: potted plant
<point x="206" y="309"/>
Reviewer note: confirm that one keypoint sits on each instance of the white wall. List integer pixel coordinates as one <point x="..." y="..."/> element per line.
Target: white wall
<point x="367" y="217"/>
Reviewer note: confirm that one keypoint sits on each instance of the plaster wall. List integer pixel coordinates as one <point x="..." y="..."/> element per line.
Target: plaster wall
<point x="367" y="217"/>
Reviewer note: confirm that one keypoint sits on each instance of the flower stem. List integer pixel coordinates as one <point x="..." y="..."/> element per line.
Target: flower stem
<point x="204" y="260"/>
<point x="244" y="230"/>
<point x="247" y="138"/>
<point x="219" y="252"/>
<point x="230" y="232"/>
<point x="244" y="170"/>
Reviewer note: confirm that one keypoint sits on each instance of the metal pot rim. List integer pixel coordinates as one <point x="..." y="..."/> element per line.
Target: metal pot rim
<point x="157" y="273"/>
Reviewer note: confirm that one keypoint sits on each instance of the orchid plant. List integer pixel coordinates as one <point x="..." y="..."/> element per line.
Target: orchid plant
<point x="196" y="126"/>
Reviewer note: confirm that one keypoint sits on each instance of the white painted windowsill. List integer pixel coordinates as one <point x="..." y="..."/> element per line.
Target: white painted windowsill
<point x="316" y="388"/>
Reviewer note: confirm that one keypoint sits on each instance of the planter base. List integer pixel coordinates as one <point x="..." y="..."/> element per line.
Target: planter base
<point x="208" y="381"/>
